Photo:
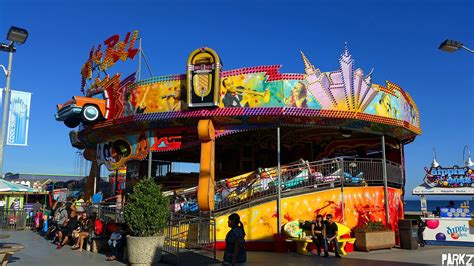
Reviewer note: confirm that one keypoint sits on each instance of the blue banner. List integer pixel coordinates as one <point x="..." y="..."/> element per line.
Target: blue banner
<point x="19" y="116"/>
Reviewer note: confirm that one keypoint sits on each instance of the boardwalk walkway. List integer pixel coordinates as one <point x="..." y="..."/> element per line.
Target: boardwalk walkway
<point x="40" y="252"/>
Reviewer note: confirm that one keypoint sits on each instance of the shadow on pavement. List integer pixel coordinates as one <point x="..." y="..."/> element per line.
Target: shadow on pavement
<point x="189" y="258"/>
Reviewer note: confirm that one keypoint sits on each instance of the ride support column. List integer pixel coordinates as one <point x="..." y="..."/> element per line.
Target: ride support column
<point x="206" y="134"/>
<point x="91" y="181"/>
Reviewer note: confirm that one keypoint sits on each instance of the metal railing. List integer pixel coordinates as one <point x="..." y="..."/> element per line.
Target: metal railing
<point x="11" y="220"/>
<point x="187" y="232"/>
<point x="296" y="178"/>
<point x="106" y="212"/>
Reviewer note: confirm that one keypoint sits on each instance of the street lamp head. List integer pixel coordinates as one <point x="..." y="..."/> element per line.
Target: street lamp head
<point x="450" y="46"/>
<point x="17" y="35"/>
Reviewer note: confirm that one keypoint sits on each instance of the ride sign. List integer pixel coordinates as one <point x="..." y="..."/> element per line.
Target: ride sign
<point x="449" y="177"/>
<point x="115" y="50"/>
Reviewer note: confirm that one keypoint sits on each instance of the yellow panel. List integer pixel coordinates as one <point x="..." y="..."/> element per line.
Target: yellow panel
<point x="360" y="204"/>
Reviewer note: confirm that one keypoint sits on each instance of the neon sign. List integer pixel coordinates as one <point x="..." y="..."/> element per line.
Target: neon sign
<point x="102" y="60"/>
<point x="449" y="177"/>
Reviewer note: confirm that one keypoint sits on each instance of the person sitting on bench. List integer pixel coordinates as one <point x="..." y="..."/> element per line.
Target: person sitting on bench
<point x="331" y="236"/>
<point x="317" y="229"/>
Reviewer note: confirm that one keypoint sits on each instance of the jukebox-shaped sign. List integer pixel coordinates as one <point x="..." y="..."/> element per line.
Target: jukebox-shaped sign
<point x="203" y="78"/>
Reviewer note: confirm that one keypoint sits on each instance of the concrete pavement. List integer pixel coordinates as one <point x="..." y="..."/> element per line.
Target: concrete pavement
<point x="40" y="252"/>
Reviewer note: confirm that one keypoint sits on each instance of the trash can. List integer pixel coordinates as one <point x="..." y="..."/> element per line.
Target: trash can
<point x="408" y="233"/>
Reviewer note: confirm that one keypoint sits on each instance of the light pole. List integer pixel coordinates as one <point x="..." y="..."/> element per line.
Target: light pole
<point x="18" y="36"/>
<point x="451" y="46"/>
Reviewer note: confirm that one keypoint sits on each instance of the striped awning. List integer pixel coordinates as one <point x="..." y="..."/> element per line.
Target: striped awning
<point x="6" y="186"/>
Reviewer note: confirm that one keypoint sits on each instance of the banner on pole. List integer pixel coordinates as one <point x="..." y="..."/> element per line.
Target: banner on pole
<point x="18" y="119"/>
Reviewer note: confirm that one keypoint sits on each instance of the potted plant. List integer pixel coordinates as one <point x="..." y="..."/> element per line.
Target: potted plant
<point x="374" y="235"/>
<point x="146" y="214"/>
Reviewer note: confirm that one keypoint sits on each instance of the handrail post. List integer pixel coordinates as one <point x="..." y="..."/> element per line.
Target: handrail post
<point x="215" y="231"/>
<point x="179" y="242"/>
<point x="342" y="189"/>
<point x="279" y="185"/>
<point x="385" y="185"/>
<point x="402" y="167"/>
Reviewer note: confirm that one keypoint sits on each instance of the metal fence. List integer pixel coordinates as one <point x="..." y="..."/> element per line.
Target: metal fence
<point x="187" y="232"/>
<point x="106" y="212"/>
<point x="11" y="220"/>
<point x="295" y="178"/>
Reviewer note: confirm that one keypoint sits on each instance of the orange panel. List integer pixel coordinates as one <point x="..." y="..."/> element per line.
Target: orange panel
<point x="206" y="172"/>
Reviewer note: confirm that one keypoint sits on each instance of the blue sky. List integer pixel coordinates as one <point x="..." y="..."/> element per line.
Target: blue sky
<point x="398" y="38"/>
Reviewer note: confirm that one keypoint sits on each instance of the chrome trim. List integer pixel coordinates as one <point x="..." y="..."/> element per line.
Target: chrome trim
<point x="68" y="111"/>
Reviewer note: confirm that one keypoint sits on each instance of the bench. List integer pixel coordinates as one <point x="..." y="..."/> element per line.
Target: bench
<point x="99" y="243"/>
<point x="302" y="244"/>
<point x="96" y="243"/>
<point x="302" y="241"/>
<point x="342" y="244"/>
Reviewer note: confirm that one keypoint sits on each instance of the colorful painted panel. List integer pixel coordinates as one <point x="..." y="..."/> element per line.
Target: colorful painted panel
<point x="161" y="96"/>
<point x="346" y="89"/>
<point x="115" y="153"/>
<point x="250" y="90"/>
<point x="361" y="205"/>
<point x="392" y="104"/>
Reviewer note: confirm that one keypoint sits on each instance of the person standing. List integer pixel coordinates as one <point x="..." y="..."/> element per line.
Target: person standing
<point x="235" y="253"/>
<point x="331" y="236"/>
<point x="119" y="203"/>
<point x="37" y="206"/>
<point x="318" y="231"/>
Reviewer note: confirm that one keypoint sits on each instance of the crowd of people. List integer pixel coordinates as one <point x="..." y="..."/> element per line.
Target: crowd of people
<point x="73" y="223"/>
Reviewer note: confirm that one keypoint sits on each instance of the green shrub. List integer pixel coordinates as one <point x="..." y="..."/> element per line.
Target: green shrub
<point x="371" y="227"/>
<point x="147" y="209"/>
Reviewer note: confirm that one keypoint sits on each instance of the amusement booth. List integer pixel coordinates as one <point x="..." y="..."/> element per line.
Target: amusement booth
<point x="453" y="225"/>
<point x="273" y="147"/>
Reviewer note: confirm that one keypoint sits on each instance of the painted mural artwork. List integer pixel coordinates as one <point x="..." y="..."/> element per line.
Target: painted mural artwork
<point x="247" y="91"/>
<point x="117" y="152"/>
<point x="390" y="103"/>
<point x="346" y="89"/>
<point x="162" y="96"/>
<point x="296" y="94"/>
<point x="361" y="205"/>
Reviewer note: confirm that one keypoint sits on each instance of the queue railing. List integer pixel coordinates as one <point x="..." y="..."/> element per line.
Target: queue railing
<point x="189" y="232"/>
<point x="11" y="220"/>
<point x="295" y="178"/>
